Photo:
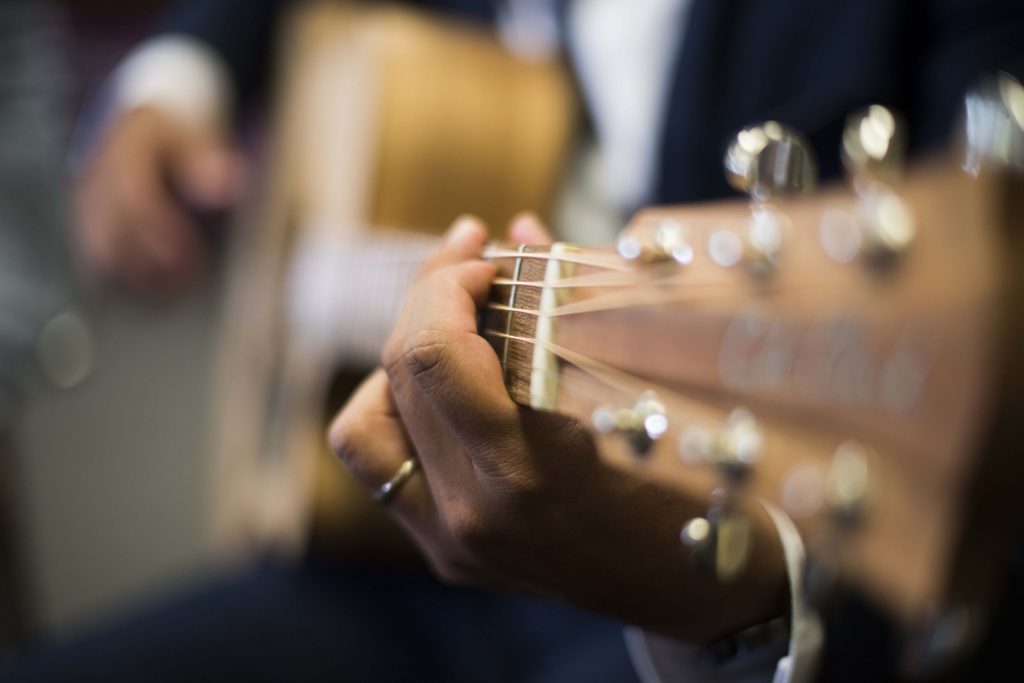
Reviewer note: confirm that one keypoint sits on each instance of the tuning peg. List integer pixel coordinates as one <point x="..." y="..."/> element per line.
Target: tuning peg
<point x="669" y="241"/>
<point x="994" y="124"/>
<point x="700" y="538"/>
<point x="873" y="149"/>
<point x="889" y="228"/>
<point x="846" y="487"/>
<point x="720" y="543"/>
<point x="641" y="425"/>
<point x="767" y="161"/>
<point x="770" y="160"/>
<point x="734" y="450"/>
<point x="844" y="495"/>
<point x="874" y="145"/>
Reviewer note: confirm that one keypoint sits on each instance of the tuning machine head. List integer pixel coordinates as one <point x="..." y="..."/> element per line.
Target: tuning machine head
<point x="889" y="228"/>
<point x="770" y="160"/>
<point x="874" y="146"/>
<point x="641" y="425"/>
<point x="873" y="151"/>
<point x="842" y="494"/>
<point x="733" y="451"/>
<point x="669" y="242"/>
<point x="994" y="125"/>
<point x="882" y="228"/>
<point x="720" y="543"/>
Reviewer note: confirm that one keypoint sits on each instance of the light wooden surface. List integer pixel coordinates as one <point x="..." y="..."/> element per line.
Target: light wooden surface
<point x="386" y="118"/>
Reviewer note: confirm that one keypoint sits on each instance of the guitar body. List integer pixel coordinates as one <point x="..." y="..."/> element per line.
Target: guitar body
<point x="386" y="118"/>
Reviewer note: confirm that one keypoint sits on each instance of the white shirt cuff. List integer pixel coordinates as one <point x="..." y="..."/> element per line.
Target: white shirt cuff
<point x="177" y="74"/>
<point x="659" y="659"/>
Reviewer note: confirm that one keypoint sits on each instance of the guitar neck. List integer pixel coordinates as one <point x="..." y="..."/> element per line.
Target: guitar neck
<point x="345" y="289"/>
<point x="818" y="355"/>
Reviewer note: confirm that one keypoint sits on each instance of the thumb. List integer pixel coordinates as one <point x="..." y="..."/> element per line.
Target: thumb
<point x="208" y="170"/>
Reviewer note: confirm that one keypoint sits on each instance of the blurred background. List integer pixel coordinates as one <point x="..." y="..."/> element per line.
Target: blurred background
<point x="104" y="430"/>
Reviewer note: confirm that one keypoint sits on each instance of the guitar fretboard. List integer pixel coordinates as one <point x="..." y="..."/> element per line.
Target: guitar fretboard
<point x="345" y="291"/>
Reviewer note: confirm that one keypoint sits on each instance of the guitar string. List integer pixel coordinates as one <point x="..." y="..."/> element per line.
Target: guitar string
<point x="596" y="259"/>
<point x="598" y="304"/>
<point x="616" y="278"/>
<point x="637" y="297"/>
<point x="603" y="276"/>
<point x="556" y="284"/>
<point x="612" y="300"/>
<point x="606" y="280"/>
<point x="623" y="382"/>
<point x="697" y="413"/>
<point x="557" y="374"/>
<point x="617" y="379"/>
<point x="619" y="269"/>
<point x="495" y="306"/>
<point x="628" y="299"/>
<point x="684" y="413"/>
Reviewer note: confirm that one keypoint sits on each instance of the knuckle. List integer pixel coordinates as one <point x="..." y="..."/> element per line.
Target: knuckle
<point x="424" y="356"/>
<point x="511" y="472"/>
<point x="470" y="528"/>
<point x="524" y="488"/>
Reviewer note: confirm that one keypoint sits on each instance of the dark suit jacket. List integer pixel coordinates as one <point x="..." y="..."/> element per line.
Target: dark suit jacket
<point x="807" y="63"/>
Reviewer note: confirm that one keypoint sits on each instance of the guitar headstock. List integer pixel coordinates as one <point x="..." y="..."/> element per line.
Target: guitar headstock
<point x="842" y="354"/>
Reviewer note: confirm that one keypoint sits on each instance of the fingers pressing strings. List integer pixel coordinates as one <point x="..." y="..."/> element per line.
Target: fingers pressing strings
<point x="526" y="228"/>
<point x="444" y="375"/>
<point x="465" y="240"/>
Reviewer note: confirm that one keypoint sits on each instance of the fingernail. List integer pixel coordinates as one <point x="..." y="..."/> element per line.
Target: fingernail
<point x="464" y="228"/>
<point x="524" y="227"/>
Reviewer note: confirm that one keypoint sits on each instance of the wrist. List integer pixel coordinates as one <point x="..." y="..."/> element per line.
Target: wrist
<point x="784" y="649"/>
<point x="660" y="588"/>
